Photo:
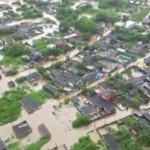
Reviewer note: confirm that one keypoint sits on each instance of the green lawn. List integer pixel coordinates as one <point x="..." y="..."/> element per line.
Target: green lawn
<point x="14" y="146"/>
<point x="39" y="96"/>
<point x="38" y="145"/>
<point x="9" y="61"/>
<point x="42" y="43"/>
<point x="9" y="105"/>
<point x="10" y="108"/>
<point x="138" y="17"/>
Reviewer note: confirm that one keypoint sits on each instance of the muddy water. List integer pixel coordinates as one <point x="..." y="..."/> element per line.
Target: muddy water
<point x="59" y="125"/>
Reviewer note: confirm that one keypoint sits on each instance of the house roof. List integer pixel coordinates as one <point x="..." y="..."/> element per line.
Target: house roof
<point x="110" y="140"/>
<point x="59" y="82"/>
<point x="147" y="116"/>
<point x="87" y="110"/>
<point x="89" y="76"/>
<point x="75" y="99"/>
<point x="101" y="103"/>
<point x="87" y="58"/>
<point x="21" y="129"/>
<point x="75" y="79"/>
<point x="138" y="49"/>
<point x="33" y="77"/>
<point x="146" y="85"/>
<point x="43" y="130"/>
<point x="50" y="89"/>
<point x="30" y="105"/>
<point x="128" y="98"/>
<point x="55" y="73"/>
<point x="2" y="145"/>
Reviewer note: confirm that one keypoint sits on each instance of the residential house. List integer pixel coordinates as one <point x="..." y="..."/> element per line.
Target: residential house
<point x="2" y="145"/>
<point x="88" y="77"/>
<point x="108" y="95"/>
<point x="138" y="49"/>
<point x="110" y="141"/>
<point x="87" y="110"/>
<point x="30" y="105"/>
<point x="22" y="129"/>
<point x="6" y="70"/>
<point x="33" y="78"/>
<point x="102" y="104"/>
<point x="50" y="89"/>
<point x="59" y="82"/>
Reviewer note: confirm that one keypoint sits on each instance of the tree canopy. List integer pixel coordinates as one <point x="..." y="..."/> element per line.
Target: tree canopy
<point x="80" y="121"/>
<point x="86" y="25"/>
<point x="16" y="50"/>
<point x="85" y="143"/>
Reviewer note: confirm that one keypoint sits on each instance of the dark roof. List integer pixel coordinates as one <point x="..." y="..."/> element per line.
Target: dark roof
<point x="105" y="86"/>
<point x="30" y="105"/>
<point x="59" y="82"/>
<point x="137" y="80"/>
<point x="87" y="58"/>
<point x="147" y="116"/>
<point x="87" y="110"/>
<point x="75" y="79"/>
<point x="55" y="73"/>
<point x="75" y="99"/>
<point x="110" y="140"/>
<point x="142" y="89"/>
<point x="33" y="77"/>
<point x="128" y="98"/>
<point x="146" y="85"/>
<point x="21" y="129"/>
<point x="43" y="130"/>
<point x="101" y="103"/>
<point x="89" y="76"/>
<point x="2" y="145"/>
<point x="138" y="49"/>
<point x="121" y="82"/>
<point x="11" y="84"/>
<point x="50" y="89"/>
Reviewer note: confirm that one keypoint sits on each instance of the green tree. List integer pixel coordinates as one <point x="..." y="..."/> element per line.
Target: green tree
<point x="41" y="69"/>
<point x="136" y="101"/>
<point x="80" y="121"/>
<point x="16" y="50"/>
<point x="86" y="25"/>
<point x="20" y="79"/>
<point x="66" y="100"/>
<point x="129" y="121"/>
<point x="85" y="143"/>
<point x="64" y="25"/>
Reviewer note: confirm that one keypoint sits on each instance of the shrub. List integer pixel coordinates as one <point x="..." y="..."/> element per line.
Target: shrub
<point x="66" y="100"/>
<point x="20" y="79"/>
<point x="46" y="76"/>
<point x="80" y="121"/>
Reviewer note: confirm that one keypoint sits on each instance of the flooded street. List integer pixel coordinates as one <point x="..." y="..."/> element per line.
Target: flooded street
<point x="59" y="125"/>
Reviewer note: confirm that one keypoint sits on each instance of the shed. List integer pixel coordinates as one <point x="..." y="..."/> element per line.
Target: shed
<point x="44" y="131"/>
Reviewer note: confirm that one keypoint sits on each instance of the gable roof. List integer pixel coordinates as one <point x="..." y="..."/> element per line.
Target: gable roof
<point x="50" y="89"/>
<point x="21" y="129"/>
<point x="30" y="105"/>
